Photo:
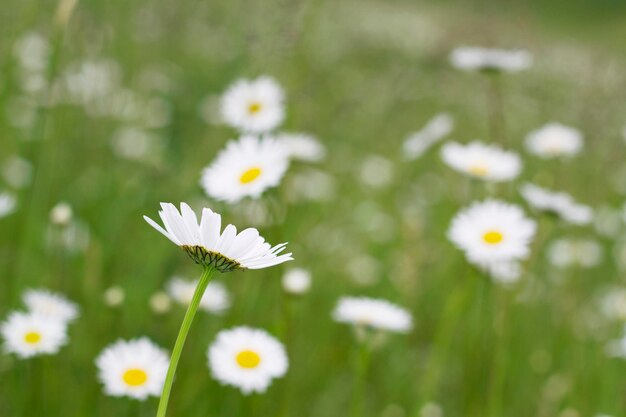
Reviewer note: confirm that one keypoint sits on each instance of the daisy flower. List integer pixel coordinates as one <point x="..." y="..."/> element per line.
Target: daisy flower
<point x="214" y="300"/>
<point x="49" y="304"/>
<point x="30" y="334"/>
<point x="478" y="160"/>
<point x="302" y="146"/>
<point x="247" y="358"/>
<point x="375" y="313"/>
<point x="486" y="59"/>
<point x="558" y="203"/>
<point x="254" y="106"/>
<point x="491" y="231"/>
<point x="206" y="245"/>
<point x="134" y="368"/>
<point x="245" y="168"/>
<point x="554" y="140"/>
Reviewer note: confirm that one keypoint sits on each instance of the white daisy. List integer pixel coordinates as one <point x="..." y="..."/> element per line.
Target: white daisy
<point x="297" y="281"/>
<point x="554" y="140"/>
<point x="558" y="203"/>
<point x="29" y="334"/>
<point x="134" y="368"/>
<point x="254" y="106"/>
<point x="302" y="146"/>
<point x="247" y="358"/>
<point x="215" y="298"/>
<point x="46" y="303"/>
<point x="482" y="161"/>
<point x="487" y="59"/>
<point x="374" y="313"/>
<point x="492" y="231"/>
<point x="245" y="168"/>
<point x="8" y="204"/>
<point x="206" y="245"/>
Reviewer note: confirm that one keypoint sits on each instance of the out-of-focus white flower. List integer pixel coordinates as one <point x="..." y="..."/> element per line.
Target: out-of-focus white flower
<point x="160" y="302"/>
<point x="215" y="298"/>
<point x="8" y="204"/>
<point x="558" y="203"/>
<point x="364" y="269"/>
<point x="245" y="168"/>
<point x="492" y="231"/>
<point x="431" y="410"/>
<point x="61" y="214"/>
<point x="310" y="185"/>
<point x="30" y="334"/>
<point x="134" y="143"/>
<point x="134" y="368"/>
<point x="376" y="171"/>
<point x="490" y="59"/>
<point x="607" y="221"/>
<point x="87" y="81"/>
<point x="17" y="172"/>
<point x="32" y="51"/>
<point x="375" y="313"/>
<point x="297" y="281"/>
<point x="574" y="252"/>
<point x="114" y="296"/>
<point x="49" y="304"/>
<point x="254" y="106"/>
<point x="435" y="129"/>
<point x="302" y="146"/>
<point x="613" y="304"/>
<point x="247" y="358"/>
<point x="554" y="140"/>
<point x="478" y="160"/>
<point x="503" y="272"/>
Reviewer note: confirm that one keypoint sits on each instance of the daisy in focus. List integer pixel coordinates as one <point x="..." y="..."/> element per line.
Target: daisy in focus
<point x="492" y="231"/>
<point x="208" y="246"/>
<point x="51" y="305"/>
<point x="558" y="203"/>
<point x="247" y="358"/>
<point x="245" y="168"/>
<point x="302" y="146"/>
<point x="134" y="368"/>
<point x="554" y="140"/>
<point x="253" y="106"/>
<point x="373" y="313"/>
<point x="478" y="160"/>
<point x="28" y="334"/>
<point x="214" y="300"/>
<point x="468" y="58"/>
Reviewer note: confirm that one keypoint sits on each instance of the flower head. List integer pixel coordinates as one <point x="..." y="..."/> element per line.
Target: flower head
<point x="247" y="358"/>
<point x="215" y="298"/>
<point x="30" y="334"/>
<point x="374" y="313"/>
<point x="554" y="140"/>
<point x="485" y="162"/>
<point x="49" y="304"/>
<point x="491" y="231"/>
<point x="134" y="368"/>
<point x="487" y="59"/>
<point x="254" y="106"/>
<point x="207" y="245"/>
<point x="245" y="168"/>
<point x="558" y="203"/>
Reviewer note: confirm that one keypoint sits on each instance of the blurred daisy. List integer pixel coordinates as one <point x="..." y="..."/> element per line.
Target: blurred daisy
<point x="254" y="106"/>
<point x="8" y="204"/>
<point x="48" y="304"/>
<point x="564" y="253"/>
<point x="206" y="245"/>
<point x="554" y="140"/>
<point x="297" y="281"/>
<point x="247" y="358"/>
<point x="482" y="161"/>
<point x="375" y="313"/>
<point x="134" y="368"/>
<point x="215" y="298"/>
<point x="29" y="334"/>
<point x="468" y="58"/>
<point x="613" y="304"/>
<point x="61" y="214"/>
<point x="419" y="142"/>
<point x="558" y="203"/>
<point x="502" y="272"/>
<point x="245" y="168"/>
<point x="302" y="146"/>
<point x="492" y="231"/>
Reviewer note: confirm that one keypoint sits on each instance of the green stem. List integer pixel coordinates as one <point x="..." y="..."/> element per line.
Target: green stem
<point x="362" y="363"/>
<point x="182" y="336"/>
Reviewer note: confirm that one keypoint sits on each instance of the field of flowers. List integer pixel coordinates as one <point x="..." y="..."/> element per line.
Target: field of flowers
<point x="312" y="208"/>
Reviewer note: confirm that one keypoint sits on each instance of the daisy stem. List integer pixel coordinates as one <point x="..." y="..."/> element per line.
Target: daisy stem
<point x="207" y="274"/>
<point x="362" y="363"/>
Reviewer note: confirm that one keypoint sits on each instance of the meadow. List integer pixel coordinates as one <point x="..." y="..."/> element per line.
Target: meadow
<point x="108" y="108"/>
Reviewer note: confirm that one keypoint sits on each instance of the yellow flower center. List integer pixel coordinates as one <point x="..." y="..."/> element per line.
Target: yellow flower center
<point x="135" y="377"/>
<point x="493" y="237"/>
<point x="250" y="175"/>
<point x="32" y="337"/>
<point x="254" y="107"/>
<point x="248" y="359"/>
<point x="479" y="170"/>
